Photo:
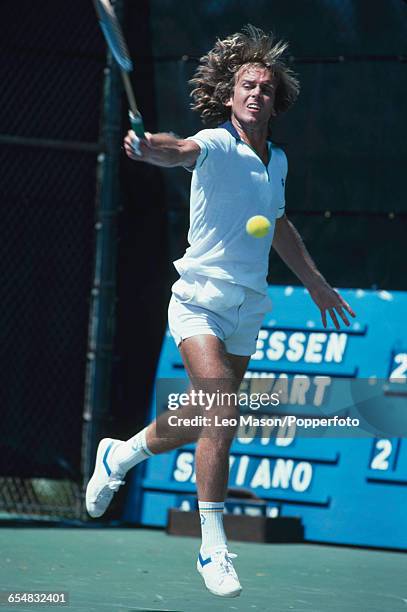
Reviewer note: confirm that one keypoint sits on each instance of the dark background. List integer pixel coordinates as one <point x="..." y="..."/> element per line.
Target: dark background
<point x="346" y="145"/>
<point x="345" y="138"/>
<point x="51" y="71"/>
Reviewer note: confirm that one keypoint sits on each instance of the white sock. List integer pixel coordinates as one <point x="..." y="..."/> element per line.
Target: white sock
<point x="128" y="454"/>
<point x="213" y="534"/>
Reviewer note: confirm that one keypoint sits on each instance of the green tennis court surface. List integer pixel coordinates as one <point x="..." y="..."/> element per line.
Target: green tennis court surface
<point x="126" y="569"/>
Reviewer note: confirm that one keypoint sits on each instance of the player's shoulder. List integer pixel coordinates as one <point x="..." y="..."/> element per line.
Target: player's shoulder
<point x="278" y="154"/>
<point x="213" y="137"/>
<point x="277" y="150"/>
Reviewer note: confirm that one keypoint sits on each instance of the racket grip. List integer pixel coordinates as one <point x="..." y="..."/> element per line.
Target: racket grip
<point x="136" y="122"/>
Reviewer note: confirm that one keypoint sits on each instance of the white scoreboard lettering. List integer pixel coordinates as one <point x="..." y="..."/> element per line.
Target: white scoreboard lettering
<point x="262" y="473"/>
<point x="311" y="347"/>
<point x="383" y="449"/>
<point x="284" y="435"/>
<point x="184" y="469"/>
<point x="298" y="389"/>
<point x="345" y="489"/>
<point x="399" y="368"/>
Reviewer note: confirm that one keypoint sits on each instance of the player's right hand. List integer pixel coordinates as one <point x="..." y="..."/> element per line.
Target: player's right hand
<point x="136" y="148"/>
<point x="153" y="148"/>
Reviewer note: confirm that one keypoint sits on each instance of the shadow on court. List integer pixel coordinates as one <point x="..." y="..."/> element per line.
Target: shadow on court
<point x="131" y="570"/>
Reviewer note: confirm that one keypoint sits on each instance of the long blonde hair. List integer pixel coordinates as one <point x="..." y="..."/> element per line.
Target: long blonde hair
<point x="214" y="78"/>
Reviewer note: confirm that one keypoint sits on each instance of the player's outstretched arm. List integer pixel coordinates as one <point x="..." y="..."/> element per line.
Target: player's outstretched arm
<point x="161" y="149"/>
<point x="289" y="245"/>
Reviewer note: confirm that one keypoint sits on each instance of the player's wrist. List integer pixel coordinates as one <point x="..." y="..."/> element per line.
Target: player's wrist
<point x="313" y="280"/>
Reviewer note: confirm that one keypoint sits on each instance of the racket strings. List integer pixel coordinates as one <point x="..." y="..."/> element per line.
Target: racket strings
<point x="112" y="31"/>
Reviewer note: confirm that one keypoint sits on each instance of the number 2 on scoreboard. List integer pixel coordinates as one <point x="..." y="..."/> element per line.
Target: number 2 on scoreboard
<point x="399" y="368"/>
<point x="384" y="454"/>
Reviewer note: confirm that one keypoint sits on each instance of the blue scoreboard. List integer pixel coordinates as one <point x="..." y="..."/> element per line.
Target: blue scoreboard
<point x="349" y="489"/>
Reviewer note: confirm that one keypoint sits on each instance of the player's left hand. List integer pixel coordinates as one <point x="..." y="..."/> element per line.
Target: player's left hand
<point x="329" y="301"/>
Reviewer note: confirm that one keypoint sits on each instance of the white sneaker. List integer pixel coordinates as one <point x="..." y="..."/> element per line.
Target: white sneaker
<point x="219" y="574"/>
<point x="104" y="482"/>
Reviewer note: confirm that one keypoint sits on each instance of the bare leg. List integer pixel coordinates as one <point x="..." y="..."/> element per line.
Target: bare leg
<point x="205" y="357"/>
<point x="161" y="437"/>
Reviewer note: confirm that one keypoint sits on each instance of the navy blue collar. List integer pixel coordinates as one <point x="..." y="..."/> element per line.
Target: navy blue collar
<point x="228" y="125"/>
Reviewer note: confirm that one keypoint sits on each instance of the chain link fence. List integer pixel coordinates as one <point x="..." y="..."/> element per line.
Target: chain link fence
<point x="51" y="66"/>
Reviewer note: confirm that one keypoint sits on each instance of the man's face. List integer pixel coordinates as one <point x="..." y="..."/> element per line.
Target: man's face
<point x="252" y="100"/>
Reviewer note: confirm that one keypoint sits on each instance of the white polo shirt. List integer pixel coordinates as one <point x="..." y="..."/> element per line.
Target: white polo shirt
<point x="230" y="184"/>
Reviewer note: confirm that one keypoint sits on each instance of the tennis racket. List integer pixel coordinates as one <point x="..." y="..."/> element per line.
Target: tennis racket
<point x="117" y="45"/>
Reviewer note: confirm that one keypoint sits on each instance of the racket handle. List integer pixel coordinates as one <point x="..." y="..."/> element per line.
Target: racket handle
<point x="136" y="122"/>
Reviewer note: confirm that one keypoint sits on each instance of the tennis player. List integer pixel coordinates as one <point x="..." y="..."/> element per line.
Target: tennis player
<point x="219" y="301"/>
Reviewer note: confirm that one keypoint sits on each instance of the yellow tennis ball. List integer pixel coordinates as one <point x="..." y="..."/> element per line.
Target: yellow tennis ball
<point x="258" y="226"/>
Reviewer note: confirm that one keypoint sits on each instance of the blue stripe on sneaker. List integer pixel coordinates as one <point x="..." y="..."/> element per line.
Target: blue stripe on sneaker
<point x="108" y="470"/>
<point x="203" y="561"/>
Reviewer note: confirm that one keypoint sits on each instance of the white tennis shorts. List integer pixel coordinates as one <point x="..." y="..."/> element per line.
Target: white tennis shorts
<point x="202" y="305"/>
